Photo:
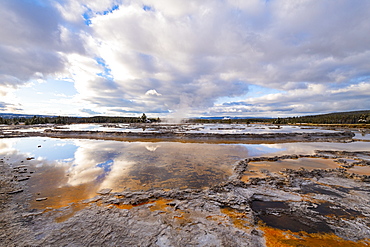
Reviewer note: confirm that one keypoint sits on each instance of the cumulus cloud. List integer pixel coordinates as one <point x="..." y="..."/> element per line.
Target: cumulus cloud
<point x="314" y="98"/>
<point x="183" y="56"/>
<point x="152" y="92"/>
<point x="33" y="42"/>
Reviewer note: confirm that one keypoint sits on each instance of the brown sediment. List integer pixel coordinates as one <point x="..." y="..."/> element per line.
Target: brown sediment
<point x="307" y="163"/>
<point x="50" y="183"/>
<point x="361" y="170"/>
<point x="160" y="204"/>
<point x="247" y="176"/>
<point x="280" y="238"/>
<point x="259" y="167"/>
<point x="125" y="206"/>
<point x="239" y="219"/>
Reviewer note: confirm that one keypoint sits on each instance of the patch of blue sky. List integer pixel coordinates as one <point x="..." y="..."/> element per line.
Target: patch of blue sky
<point x="46" y="148"/>
<point x="147" y="8"/>
<point x="108" y="11"/>
<point x="87" y="19"/>
<point x="87" y="15"/>
<point x="254" y="91"/>
<point x="107" y="165"/>
<point x="359" y="79"/>
<point x="42" y="3"/>
<point x="107" y="71"/>
<point x="258" y="91"/>
<point x="47" y="90"/>
<point x="46" y="97"/>
<point x="89" y="111"/>
<point x="128" y="111"/>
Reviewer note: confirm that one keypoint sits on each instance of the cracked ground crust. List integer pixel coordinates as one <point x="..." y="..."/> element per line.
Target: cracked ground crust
<point x="330" y="208"/>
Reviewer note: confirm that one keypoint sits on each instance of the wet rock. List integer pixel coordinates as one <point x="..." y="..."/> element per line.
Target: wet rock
<point x="15" y="191"/>
<point x="112" y="201"/>
<point x="104" y="191"/>
<point x="18" y="167"/>
<point x="94" y="199"/>
<point x="32" y="214"/>
<point x="41" y="199"/>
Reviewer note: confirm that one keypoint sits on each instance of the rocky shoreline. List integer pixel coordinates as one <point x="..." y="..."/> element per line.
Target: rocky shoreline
<point x="292" y="208"/>
<point x="343" y="136"/>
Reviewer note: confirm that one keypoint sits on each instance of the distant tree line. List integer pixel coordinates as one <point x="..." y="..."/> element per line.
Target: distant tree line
<point x="355" y="117"/>
<point x="76" y="120"/>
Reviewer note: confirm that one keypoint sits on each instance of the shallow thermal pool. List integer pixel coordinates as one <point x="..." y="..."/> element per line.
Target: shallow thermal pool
<point x="186" y="128"/>
<point x="69" y="170"/>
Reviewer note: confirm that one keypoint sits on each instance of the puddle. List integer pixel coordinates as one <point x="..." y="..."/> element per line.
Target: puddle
<point x="294" y="223"/>
<point x="276" y="214"/>
<point x="315" y="189"/>
<point x="248" y="175"/>
<point x="331" y="210"/>
<point x="310" y="147"/>
<point x="52" y="184"/>
<point x="362" y="135"/>
<point x="265" y="205"/>
<point x="307" y="163"/>
<point x="361" y="170"/>
<point x="70" y="170"/>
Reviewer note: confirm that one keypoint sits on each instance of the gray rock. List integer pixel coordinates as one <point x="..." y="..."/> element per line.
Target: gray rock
<point x="94" y="199"/>
<point x="41" y="199"/>
<point x="15" y="191"/>
<point x="104" y="191"/>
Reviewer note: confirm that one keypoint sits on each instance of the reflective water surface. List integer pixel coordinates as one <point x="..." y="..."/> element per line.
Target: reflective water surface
<point x="70" y="170"/>
<point x="187" y="128"/>
<point x="261" y="168"/>
<point x="363" y="135"/>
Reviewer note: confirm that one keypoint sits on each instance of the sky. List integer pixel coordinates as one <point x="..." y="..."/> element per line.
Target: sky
<point x="176" y="58"/>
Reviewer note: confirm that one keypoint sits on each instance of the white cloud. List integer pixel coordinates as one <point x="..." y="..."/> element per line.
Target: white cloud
<point x="152" y="92"/>
<point x="315" y="98"/>
<point x="192" y="52"/>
